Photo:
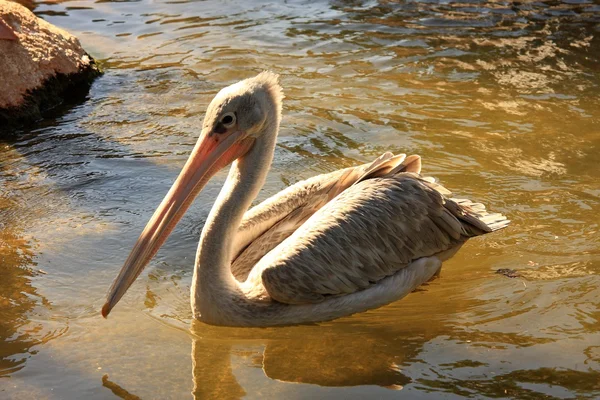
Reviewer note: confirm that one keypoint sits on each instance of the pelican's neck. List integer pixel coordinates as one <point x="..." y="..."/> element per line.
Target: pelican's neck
<point x="213" y="282"/>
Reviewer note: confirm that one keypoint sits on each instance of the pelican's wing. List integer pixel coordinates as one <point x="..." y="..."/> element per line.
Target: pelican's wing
<point x="272" y="221"/>
<point x="370" y="231"/>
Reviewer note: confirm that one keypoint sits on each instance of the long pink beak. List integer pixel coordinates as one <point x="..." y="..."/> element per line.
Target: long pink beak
<point x="211" y="153"/>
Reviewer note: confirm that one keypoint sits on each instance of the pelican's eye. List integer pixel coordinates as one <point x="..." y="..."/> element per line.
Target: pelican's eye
<point x="228" y="120"/>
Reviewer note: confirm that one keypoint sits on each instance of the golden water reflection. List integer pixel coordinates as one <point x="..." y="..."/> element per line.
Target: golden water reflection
<point x="16" y="300"/>
<point x="282" y="357"/>
<point x="20" y="302"/>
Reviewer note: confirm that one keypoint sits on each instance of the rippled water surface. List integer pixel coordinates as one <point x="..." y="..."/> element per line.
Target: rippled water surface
<point x="500" y="98"/>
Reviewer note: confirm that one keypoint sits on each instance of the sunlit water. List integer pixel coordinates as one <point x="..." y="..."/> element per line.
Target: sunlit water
<point x="501" y="100"/>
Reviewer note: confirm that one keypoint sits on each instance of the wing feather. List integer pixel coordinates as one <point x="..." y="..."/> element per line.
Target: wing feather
<point x="371" y="230"/>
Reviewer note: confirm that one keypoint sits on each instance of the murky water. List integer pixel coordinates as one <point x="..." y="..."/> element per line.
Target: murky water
<point x="501" y="100"/>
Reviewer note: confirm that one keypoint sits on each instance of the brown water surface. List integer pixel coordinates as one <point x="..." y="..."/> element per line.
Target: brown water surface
<point x="500" y="98"/>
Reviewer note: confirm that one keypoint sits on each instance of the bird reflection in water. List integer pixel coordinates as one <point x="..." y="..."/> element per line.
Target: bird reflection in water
<point x="285" y="358"/>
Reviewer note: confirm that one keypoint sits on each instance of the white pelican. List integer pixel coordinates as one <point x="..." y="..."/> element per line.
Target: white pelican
<point x="327" y="247"/>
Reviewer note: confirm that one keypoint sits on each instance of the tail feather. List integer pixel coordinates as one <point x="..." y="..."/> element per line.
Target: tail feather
<point x="474" y="216"/>
<point x="476" y="219"/>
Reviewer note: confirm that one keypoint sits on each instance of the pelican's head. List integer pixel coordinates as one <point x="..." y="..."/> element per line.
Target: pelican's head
<point x="245" y="107"/>
<point x="238" y="116"/>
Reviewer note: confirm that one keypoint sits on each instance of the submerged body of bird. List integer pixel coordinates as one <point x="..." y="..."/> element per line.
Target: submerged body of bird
<point x="330" y="246"/>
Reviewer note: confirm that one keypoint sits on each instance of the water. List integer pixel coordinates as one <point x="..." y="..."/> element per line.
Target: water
<point x="501" y="100"/>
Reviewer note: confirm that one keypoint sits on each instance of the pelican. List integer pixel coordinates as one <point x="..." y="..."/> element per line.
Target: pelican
<point x="327" y="247"/>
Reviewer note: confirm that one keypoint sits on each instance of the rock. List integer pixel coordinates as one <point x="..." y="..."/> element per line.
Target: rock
<point x="6" y="32"/>
<point x="44" y="67"/>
